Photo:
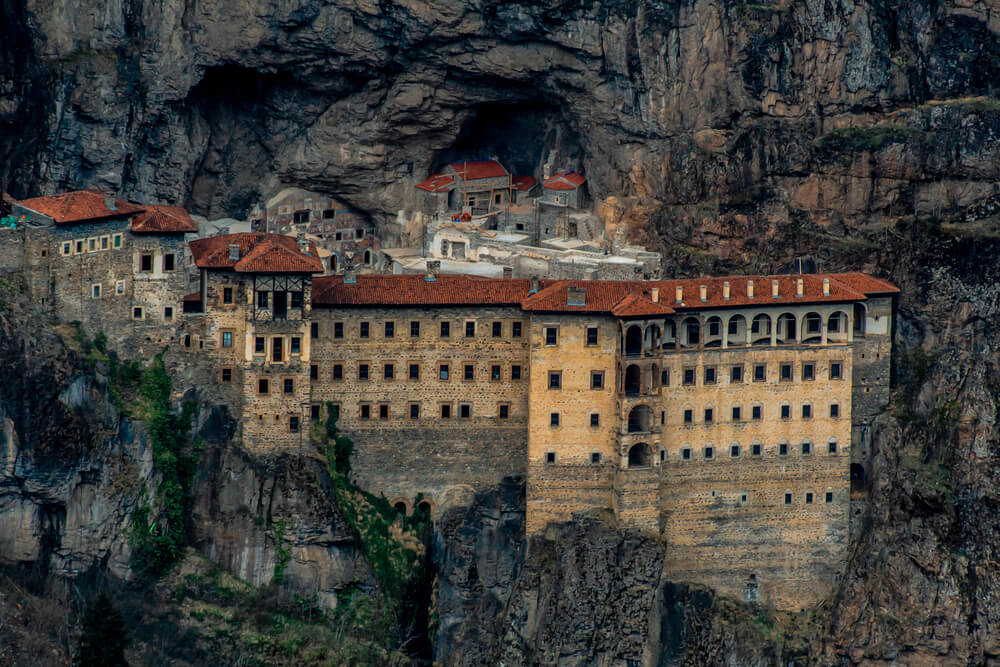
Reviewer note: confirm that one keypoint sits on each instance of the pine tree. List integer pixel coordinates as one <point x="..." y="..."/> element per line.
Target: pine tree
<point x="102" y="635"/>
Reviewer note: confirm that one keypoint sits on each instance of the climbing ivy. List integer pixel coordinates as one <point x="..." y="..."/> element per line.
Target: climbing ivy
<point x="282" y="554"/>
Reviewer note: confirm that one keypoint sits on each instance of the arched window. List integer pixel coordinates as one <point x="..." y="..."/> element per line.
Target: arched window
<point x="670" y="334"/>
<point x="633" y="380"/>
<point x="787" y="329"/>
<point x="836" y="327"/>
<point x="633" y="341"/>
<point x="690" y="332"/>
<point x="859" y="320"/>
<point x="736" y="330"/>
<point x="368" y="256"/>
<point x="713" y="332"/>
<point x="760" y="330"/>
<point x="653" y="337"/>
<point x="812" y="328"/>
<point x="640" y="419"/>
<point x="639" y="456"/>
<point x="858" y="478"/>
<point x="334" y="263"/>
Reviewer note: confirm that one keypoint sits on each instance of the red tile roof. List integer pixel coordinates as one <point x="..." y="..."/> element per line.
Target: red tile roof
<point x="625" y="298"/>
<point x="471" y="170"/>
<point x="193" y="297"/>
<point x="416" y="290"/>
<point x="160" y="219"/>
<point x="523" y="183"/>
<point x="437" y="183"/>
<point x="259" y="253"/>
<point x="565" y="180"/>
<point x="79" y="206"/>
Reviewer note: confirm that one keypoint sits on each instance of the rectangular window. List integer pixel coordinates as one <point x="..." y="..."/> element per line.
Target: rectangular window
<point x="79" y="247"/>
<point x="708" y="415"/>
<point x="293" y="424"/>
<point x="760" y="372"/>
<point x="688" y="376"/>
<point x="829" y="496"/>
<point x="443" y="372"/>
<point x="67" y="248"/>
<point x="737" y="414"/>
<point x="262" y="299"/>
<point x="495" y="372"/>
<point x="362" y="371"/>
<point x="116" y="240"/>
<point x="782" y="449"/>
<point x="554" y="419"/>
<point x="227" y="374"/>
<point x="470" y="329"/>
<point x="595" y="457"/>
<point x="414" y="411"/>
<point x="788" y="499"/>
<point x="146" y="263"/>
<point x="595" y="420"/>
<point x="464" y="410"/>
<point x="289" y="386"/>
<point x="388" y="372"/>
<point x="338" y="372"/>
<point x="807" y="411"/>
<point x="756" y="412"/>
<point x="119" y="287"/>
<point x="227" y="339"/>
<point x="515" y="329"/>
<point x="807" y="448"/>
<point x="314" y="329"/>
<point x="734" y="451"/>
<point x="786" y="412"/>
<point x="105" y="242"/>
<point x="227" y="295"/>
<point x="497" y="329"/>
<point x="836" y="370"/>
<point x="277" y="348"/>
<point x="551" y="335"/>
<point x="834" y="410"/>
<point x="686" y="454"/>
<point x="756" y="449"/>
<point x="709" y="453"/>
<point x="445" y="411"/>
<point x="296" y="345"/>
<point x="414" y="371"/>
<point x="736" y="375"/>
<point x="504" y="411"/>
<point x="445" y="329"/>
<point x="390" y="329"/>
<point x="366" y="412"/>
<point x="597" y="379"/>
<point x="168" y="262"/>
<point x="831" y="447"/>
<point x="689" y="416"/>
<point x="515" y="372"/>
<point x="364" y="330"/>
<point x="314" y="412"/>
<point x="95" y="291"/>
<point x="555" y="380"/>
<point x="414" y="329"/>
<point x="262" y="386"/>
<point x="710" y="375"/>
<point x="295" y="299"/>
<point x="550" y="457"/>
<point x="383" y="411"/>
<point x="469" y="372"/>
<point x="259" y="345"/>
<point x="137" y="315"/>
<point x="591" y="335"/>
<point x="808" y="371"/>
<point x="338" y="329"/>
<point x="785" y="372"/>
<point x="665" y="377"/>
<point x="313" y="372"/>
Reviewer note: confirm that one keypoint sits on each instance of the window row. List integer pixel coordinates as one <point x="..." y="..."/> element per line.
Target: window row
<point x="737" y="413"/>
<point x="414" y="328"/>
<point x="97" y="289"/>
<point x="92" y="244"/>
<point x="736" y="450"/>
<point x="710" y="375"/>
<point x="279" y="348"/>
<point x="444" y="371"/>
<point x="415" y="410"/>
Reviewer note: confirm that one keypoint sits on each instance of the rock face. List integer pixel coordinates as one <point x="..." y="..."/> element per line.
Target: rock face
<point x="707" y="118"/>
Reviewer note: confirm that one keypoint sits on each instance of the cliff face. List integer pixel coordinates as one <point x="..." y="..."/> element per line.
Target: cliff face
<point x="706" y="117"/>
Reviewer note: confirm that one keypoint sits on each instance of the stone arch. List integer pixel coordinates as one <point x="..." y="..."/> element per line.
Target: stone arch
<point x="653" y="337"/>
<point x="812" y="328"/>
<point x="402" y="505"/>
<point x="836" y="327"/>
<point x="859" y="480"/>
<point x="760" y="329"/>
<point x="787" y="329"/>
<point x="736" y="330"/>
<point x="368" y="257"/>
<point x="633" y="341"/>
<point x="334" y="263"/>
<point x="669" y="333"/>
<point x="690" y="332"/>
<point x="640" y="456"/>
<point x="713" y="331"/>
<point x="640" y="419"/>
<point x="633" y="380"/>
<point x="860" y="313"/>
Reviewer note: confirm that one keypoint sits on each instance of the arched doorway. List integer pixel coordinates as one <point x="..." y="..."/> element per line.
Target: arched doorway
<point x="812" y="328"/>
<point x="640" y="419"/>
<point x="690" y="332"/>
<point x="639" y="456"/>
<point x="787" y="333"/>
<point x="633" y="380"/>
<point x="858" y="478"/>
<point x="633" y="341"/>
<point x="859" y="320"/>
<point x="760" y="330"/>
<point x="736" y="330"/>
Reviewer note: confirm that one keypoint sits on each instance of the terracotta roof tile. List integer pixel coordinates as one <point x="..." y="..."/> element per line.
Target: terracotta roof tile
<point x="160" y="219"/>
<point x="259" y="253"/>
<point x="565" y="180"/>
<point x="472" y="170"/>
<point x="416" y="290"/>
<point x="862" y="282"/>
<point x="437" y="183"/>
<point x="523" y="183"/>
<point x="79" y="206"/>
<point x="635" y="305"/>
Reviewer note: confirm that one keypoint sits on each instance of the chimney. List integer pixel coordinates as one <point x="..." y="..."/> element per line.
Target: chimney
<point x="774" y="289"/>
<point x="678" y="294"/>
<point x="303" y="243"/>
<point x="826" y="287"/>
<point x="725" y="290"/>
<point x="749" y="289"/>
<point x="433" y="268"/>
<point x="703" y="293"/>
<point x="234" y="252"/>
<point x="576" y="296"/>
<point x="534" y="286"/>
<point x="799" y="287"/>
<point x="110" y="202"/>
<point x="654" y="294"/>
<point x="508" y="272"/>
<point x="350" y="276"/>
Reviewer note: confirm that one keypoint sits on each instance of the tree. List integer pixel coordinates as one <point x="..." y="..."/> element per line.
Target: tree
<point x="102" y="635"/>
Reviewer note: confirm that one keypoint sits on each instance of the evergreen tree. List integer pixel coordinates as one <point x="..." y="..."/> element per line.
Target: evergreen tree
<point x="102" y="635"/>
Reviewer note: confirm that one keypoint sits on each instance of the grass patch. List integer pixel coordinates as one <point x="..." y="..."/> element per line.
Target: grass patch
<point x="859" y="139"/>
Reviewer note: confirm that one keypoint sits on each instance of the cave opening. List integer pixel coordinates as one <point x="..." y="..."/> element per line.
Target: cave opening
<point x="523" y="136"/>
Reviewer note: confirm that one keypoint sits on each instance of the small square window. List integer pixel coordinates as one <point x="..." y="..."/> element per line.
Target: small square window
<point x="554" y="419"/>
<point x="744" y="498"/>
<point x="390" y="329"/>
<point x="515" y="329"/>
<point x="116" y="240"/>
<point x="807" y="448"/>
<point x="785" y="372"/>
<point x="495" y="372"/>
<point x="262" y="386"/>
<point x="595" y="420"/>
<point x="445" y="329"/>
<point x="836" y="371"/>
<point x="293" y="424"/>
<point x="555" y="379"/>
<point x="688" y="376"/>
<point x="756" y="412"/>
<point x="362" y="371"/>
<point x="515" y="372"/>
<point x="338" y="371"/>
<point x="686" y="454"/>
<point x="756" y="449"/>
<point x="227" y="295"/>
<point x="338" y="329"/>
<point x="689" y="416"/>
<point x="809" y="498"/>
<point x="227" y="337"/>
<point x="445" y="411"/>
<point x="782" y="449"/>
<point x="708" y="415"/>
<point x="551" y="335"/>
<point x="709" y="453"/>
<point x="497" y="329"/>
<point x="504" y="411"/>
<point x="137" y="315"/>
<point x="809" y="371"/>
<point x="443" y="371"/>
<point x="414" y="411"/>
<point x="313" y="372"/>
<point x="388" y="372"/>
<point x="736" y="375"/>
<point x="832" y="447"/>
<point x="710" y="375"/>
<point x="414" y="373"/>
<point x="786" y="412"/>
<point x="737" y="414"/>
<point x="364" y="330"/>
<point x="807" y="411"/>
<point x="296" y="345"/>
<point x="79" y="247"/>
<point x="595" y="458"/>
<point x="146" y="263"/>
<point x="734" y="451"/>
<point x="95" y="291"/>
<point x="464" y="410"/>
<point x="788" y="499"/>
<point x="105" y="243"/>
<point x="550" y="457"/>
<point x="834" y="410"/>
<point x="597" y="379"/>
<point x="414" y="329"/>
<point x="760" y="373"/>
<point x="289" y="387"/>
<point x="591" y="335"/>
<point x="470" y="329"/>
<point x="829" y="496"/>
<point x="259" y="345"/>
<point x="227" y="375"/>
<point x="469" y="372"/>
<point x="366" y="412"/>
<point x="383" y="411"/>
